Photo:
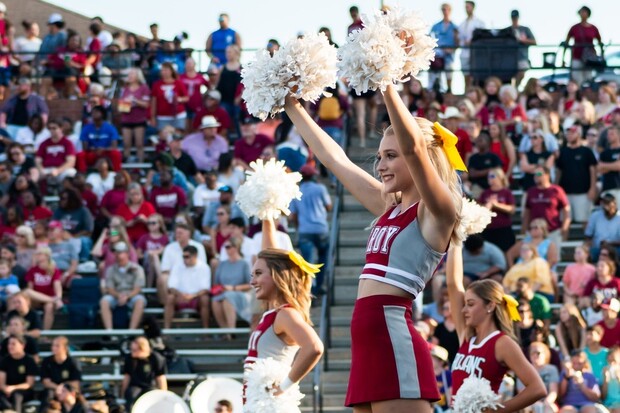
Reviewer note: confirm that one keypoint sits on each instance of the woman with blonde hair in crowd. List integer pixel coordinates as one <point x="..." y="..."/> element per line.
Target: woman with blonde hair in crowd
<point x="537" y="235"/>
<point x="133" y="106"/>
<point x="570" y="330"/>
<point x="25" y="243"/>
<point x="535" y="269"/>
<point x="509" y="113"/>
<point x="607" y="104"/>
<point x="419" y="200"/>
<point x="44" y="285"/>
<point x="484" y="318"/>
<point x="499" y="199"/>
<point x="151" y="246"/>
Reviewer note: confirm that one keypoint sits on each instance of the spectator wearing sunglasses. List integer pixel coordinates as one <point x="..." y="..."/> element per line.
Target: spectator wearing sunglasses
<point x="189" y="285"/>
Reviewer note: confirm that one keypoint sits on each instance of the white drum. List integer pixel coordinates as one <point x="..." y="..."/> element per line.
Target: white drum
<point x="206" y="395"/>
<point x="160" y="401"/>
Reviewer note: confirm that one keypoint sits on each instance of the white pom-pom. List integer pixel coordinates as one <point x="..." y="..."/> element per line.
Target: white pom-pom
<point x="474" y="217"/>
<point x="303" y="67"/>
<point x="312" y="62"/>
<point x="422" y="49"/>
<point x="268" y="190"/>
<point x="377" y="56"/>
<point x="261" y="378"/>
<point x="264" y="86"/>
<point x="474" y="396"/>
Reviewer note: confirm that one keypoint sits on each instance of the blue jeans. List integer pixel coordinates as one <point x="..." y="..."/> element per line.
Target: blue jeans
<point x="337" y="134"/>
<point x="308" y="243"/>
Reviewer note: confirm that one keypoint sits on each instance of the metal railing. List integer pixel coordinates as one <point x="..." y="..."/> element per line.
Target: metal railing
<point x="327" y="300"/>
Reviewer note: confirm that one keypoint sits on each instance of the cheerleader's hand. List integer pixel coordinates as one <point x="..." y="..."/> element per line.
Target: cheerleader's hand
<point x="407" y="39"/>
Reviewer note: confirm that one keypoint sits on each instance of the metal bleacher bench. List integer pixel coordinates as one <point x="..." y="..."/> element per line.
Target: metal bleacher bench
<point x="137" y="332"/>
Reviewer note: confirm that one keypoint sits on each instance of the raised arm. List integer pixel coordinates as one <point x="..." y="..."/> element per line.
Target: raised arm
<point x="456" y="289"/>
<point x="363" y="186"/>
<point x="434" y="192"/>
<point x="269" y="235"/>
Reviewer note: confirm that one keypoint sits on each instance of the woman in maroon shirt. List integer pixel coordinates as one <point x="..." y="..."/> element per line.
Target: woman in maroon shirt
<point x="135" y="211"/>
<point x="44" y="287"/>
<point x="133" y="106"/>
<point x="498" y="198"/>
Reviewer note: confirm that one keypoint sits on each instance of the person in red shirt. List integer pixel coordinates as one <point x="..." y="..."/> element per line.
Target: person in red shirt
<point x="168" y="99"/>
<point x="212" y="107"/>
<point x="136" y="212"/>
<point x="44" y="288"/>
<point x="549" y="202"/>
<point x="167" y="198"/>
<point x="583" y="34"/>
<point x="251" y="144"/>
<point x="55" y="157"/>
<point x="604" y="283"/>
<point x="193" y="82"/>
<point x="610" y="323"/>
<point x="67" y="65"/>
<point x="452" y="118"/>
<point x="357" y="20"/>
<point x="509" y="113"/>
<point x="32" y="209"/>
<point x="115" y="197"/>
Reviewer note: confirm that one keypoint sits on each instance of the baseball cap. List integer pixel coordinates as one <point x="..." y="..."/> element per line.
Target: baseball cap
<point x="225" y="188"/>
<point x="214" y="94"/>
<point x="54" y="18"/>
<point x="2" y="7"/>
<point x="514" y="13"/>
<point x="249" y="120"/>
<point x="121" y="247"/>
<point x="607" y="197"/>
<point x="613" y="304"/>
<point x="308" y="170"/>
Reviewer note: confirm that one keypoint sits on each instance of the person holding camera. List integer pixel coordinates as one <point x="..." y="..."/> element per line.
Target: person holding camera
<point x="124" y="281"/>
<point x="579" y="391"/>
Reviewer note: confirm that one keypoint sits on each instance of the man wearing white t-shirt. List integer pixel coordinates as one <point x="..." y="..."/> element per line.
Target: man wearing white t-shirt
<point x="466" y="32"/>
<point x="188" y="287"/>
<point x="173" y="255"/>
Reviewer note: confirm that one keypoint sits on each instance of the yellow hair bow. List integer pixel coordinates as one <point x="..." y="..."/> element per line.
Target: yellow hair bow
<point x="305" y="266"/>
<point x="449" y="141"/>
<point x="512" y="306"/>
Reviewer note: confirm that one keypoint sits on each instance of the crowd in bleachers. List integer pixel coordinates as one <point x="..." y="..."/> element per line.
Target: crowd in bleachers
<point x="139" y="193"/>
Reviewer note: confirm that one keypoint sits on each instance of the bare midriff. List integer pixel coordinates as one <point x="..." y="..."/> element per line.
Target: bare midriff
<point x="366" y="288"/>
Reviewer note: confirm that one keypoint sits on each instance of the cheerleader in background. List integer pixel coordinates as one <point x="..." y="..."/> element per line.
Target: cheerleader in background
<point x="391" y="363"/>
<point x="282" y="280"/>
<point x="483" y="315"/>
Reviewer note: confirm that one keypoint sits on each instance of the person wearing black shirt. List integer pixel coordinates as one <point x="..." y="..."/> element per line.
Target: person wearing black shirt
<point x="537" y="156"/>
<point x="576" y="174"/>
<point x="17" y="374"/>
<point x="182" y="161"/>
<point x="608" y="165"/>
<point x="481" y="163"/>
<point x="21" y="306"/>
<point x="144" y="370"/>
<point x="60" y="367"/>
<point x="17" y="326"/>
<point x="70" y="399"/>
<point x="446" y="334"/>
